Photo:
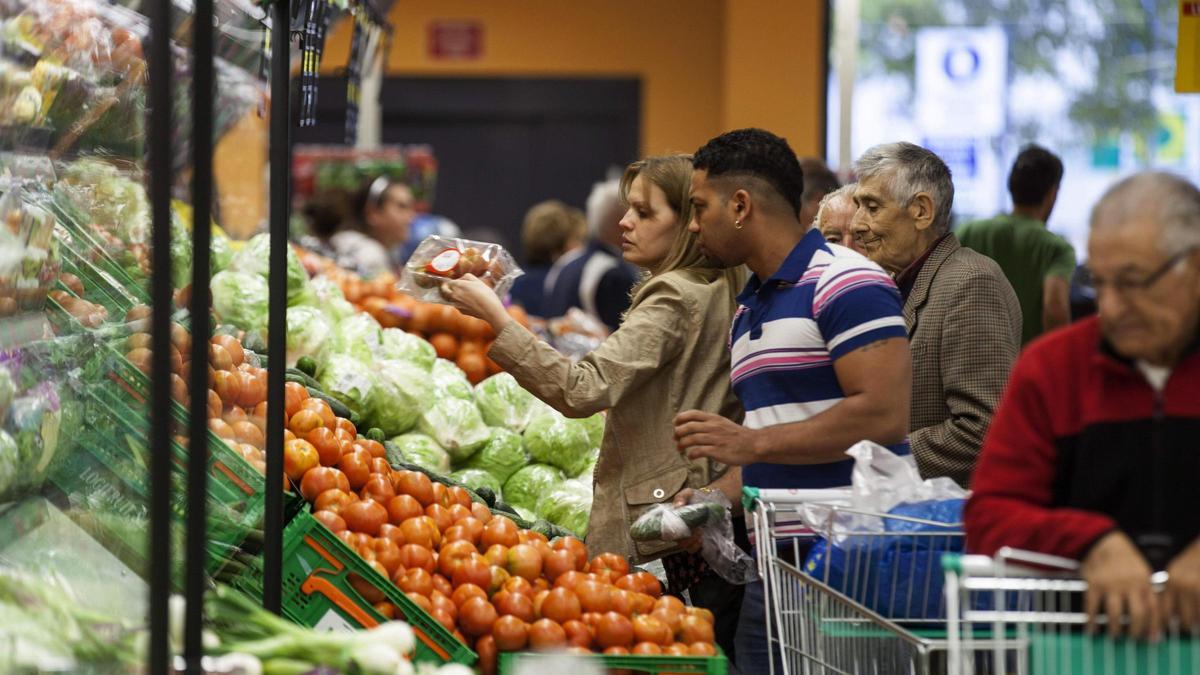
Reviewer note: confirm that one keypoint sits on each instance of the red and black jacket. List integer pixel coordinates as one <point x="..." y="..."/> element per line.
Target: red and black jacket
<point x="1081" y="444"/>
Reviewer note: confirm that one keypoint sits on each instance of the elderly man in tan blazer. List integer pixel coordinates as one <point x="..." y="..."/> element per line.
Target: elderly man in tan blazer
<point x="963" y="317"/>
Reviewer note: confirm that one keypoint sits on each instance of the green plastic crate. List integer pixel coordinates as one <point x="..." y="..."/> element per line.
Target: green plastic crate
<point x="317" y="592"/>
<point x="659" y="665"/>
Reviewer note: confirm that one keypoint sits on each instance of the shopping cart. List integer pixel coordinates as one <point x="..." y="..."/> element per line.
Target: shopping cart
<point x="871" y="604"/>
<point x="1021" y="612"/>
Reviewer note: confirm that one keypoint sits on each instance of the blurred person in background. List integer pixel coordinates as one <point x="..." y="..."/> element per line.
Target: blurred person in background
<point x="362" y="233"/>
<point x="550" y="230"/>
<point x="963" y="318"/>
<point x="1092" y="455"/>
<point x="668" y="355"/>
<point x="818" y="182"/>
<point x="1038" y="263"/>
<point x="595" y="278"/>
<point x="835" y="215"/>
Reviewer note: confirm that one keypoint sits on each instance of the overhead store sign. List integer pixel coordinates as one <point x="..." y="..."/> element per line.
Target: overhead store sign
<point x="455" y="40"/>
<point x="1187" y="52"/>
<point x="962" y="81"/>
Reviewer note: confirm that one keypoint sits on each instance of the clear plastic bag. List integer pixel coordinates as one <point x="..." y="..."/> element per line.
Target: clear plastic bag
<point x="438" y="259"/>
<point x="717" y="545"/>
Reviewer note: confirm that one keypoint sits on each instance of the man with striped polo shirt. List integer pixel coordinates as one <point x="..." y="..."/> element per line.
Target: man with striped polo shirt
<point x="819" y="349"/>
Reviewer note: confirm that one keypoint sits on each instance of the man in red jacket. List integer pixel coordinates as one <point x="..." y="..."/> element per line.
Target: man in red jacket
<point x="1094" y="452"/>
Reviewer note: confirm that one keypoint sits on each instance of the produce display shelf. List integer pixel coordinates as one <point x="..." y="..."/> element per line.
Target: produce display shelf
<point x="99" y="286"/>
<point x="320" y="573"/>
<point x="80" y="239"/>
<point x="657" y="665"/>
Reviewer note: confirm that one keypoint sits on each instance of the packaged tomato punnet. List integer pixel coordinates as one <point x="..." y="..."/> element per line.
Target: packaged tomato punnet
<point x="438" y="259"/>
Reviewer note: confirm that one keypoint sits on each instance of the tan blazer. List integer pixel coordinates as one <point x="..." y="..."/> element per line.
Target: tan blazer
<point x="670" y="354"/>
<point x="964" y="331"/>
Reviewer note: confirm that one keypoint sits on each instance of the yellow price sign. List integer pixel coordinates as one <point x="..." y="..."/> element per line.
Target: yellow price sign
<point x="1187" y="54"/>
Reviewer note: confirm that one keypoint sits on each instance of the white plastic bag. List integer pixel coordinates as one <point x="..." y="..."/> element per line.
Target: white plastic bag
<point x="717" y="545"/>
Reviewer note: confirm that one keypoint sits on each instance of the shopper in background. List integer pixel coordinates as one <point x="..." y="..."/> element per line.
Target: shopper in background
<point x="835" y="215"/>
<point x="1092" y="454"/>
<point x="963" y="317"/>
<point x="551" y="229"/>
<point x="595" y="278"/>
<point x="668" y="355"/>
<point x="818" y="182"/>
<point x="819" y="353"/>
<point x="1037" y="262"/>
<point x="374" y="222"/>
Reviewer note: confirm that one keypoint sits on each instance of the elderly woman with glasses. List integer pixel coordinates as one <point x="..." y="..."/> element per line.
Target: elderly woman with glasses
<point x="1093" y="453"/>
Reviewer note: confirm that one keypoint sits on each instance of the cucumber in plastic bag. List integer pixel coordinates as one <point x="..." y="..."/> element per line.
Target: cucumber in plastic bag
<point x="651" y="526"/>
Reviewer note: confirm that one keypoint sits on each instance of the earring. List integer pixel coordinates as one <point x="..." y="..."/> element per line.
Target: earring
<point x="737" y="224"/>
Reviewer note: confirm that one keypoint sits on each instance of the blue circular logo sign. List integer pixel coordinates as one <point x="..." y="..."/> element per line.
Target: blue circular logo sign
<point x="961" y="63"/>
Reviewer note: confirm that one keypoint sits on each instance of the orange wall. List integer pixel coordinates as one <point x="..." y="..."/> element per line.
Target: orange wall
<point x="705" y="65"/>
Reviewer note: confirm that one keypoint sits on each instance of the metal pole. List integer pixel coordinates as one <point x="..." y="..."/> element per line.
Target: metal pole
<point x="159" y="149"/>
<point x="847" y="60"/>
<point x="280" y="159"/>
<point x="202" y="194"/>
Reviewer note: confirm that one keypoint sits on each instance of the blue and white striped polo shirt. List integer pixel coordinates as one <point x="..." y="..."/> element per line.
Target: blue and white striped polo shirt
<point x="824" y="302"/>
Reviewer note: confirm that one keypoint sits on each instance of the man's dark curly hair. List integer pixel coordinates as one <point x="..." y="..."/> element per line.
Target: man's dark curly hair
<point x="757" y="153"/>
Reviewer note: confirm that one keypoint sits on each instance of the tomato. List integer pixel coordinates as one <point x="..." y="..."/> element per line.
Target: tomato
<point x="416" y="581"/>
<point x="523" y="561"/>
<point x="294" y="394"/>
<point x="393" y="534"/>
<point x="321" y="479"/>
<point x="481" y="512"/>
<point x="594" y="596"/>
<point x="545" y="634"/>
<point x="610" y="561"/>
<point x="476" y="617"/>
<point x="214" y="404"/>
<point x="402" y="507"/>
<point x="622" y="602"/>
<point x="415" y="556"/>
<point x="528" y="536"/>
<point x="642" y="603"/>
<point x="458" y="512"/>
<point x="221" y="428"/>
<point x="453" y="554"/>
<point x="650" y="585"/>
<point x="519" y="585"/>
<point x="474" y="570"/>
<point x="614" y="630"/>
<point x="328" y="449"/>
<point x="516" y="604"/>
<point x="457" y="533"/>
<point x="303" y="421"/>
<point x="441" y="517"/>
<point x="365" y="516"/>
<point x="439" y="495"/>
<point x="375" y="448"/>
<point x="578" y="634"/>
<point x="485" y="647"/>
<point x="511" y="633"/>
<point x="387" y="553"/>
<point x="443" y="602"/>
<point x="500" y="530"/>
<point x="356" y="466"/>
<point x="671" y="604"/>
<point x="616" y="651"/>
<point x="366" y="589"/>
<point x="442" y="584"/>
<point x="417" y="531"/>
<point x="466" y="592"/>
<point x="650" y="629"/>
<point x="677" y="649"/>
<point x="416" y="485"/>
<point x="460" y="496"/>
<point x="387" y="609"/>
<point x="570" y="580"/>
<point x="254" y="390"/>
<point x="422" y="602"/>
<point x="472" y="524"/>
<point x="381" y="467"/>
<point x="379" y="488"/>
<point x="331" y="520"/>
<point x="646" y="649"/>
<point x="299" y="457"/>
<point x="433" y="531"/>
<point x="539" y="598"/>
<point x="237" y="355"/>
<point x="561" y="605"/>
<point x="702" y="649"/>
<point x="558" y="563"/>
<point x="576" y="547"/>
<point x="701" y="612"/>
<point x="322" y="409"/>
<point x="693" y="628"/>
<point x="219" y="358"/>
<point x="671" y="619"/>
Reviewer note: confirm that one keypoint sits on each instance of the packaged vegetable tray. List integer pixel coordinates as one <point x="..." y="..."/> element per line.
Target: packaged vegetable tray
<point x="324" y="584"/>
<point x="439" y="259"/>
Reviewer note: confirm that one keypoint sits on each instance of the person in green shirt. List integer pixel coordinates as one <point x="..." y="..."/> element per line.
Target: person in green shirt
<point x="1037" y="262"/>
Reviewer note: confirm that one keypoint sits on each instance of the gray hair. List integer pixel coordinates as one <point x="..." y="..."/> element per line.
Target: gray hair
<point x="1171" y="200"/>
<point x="604" y="207"/>
<point x="909" y="170"/>
<point x="844" y="193"/>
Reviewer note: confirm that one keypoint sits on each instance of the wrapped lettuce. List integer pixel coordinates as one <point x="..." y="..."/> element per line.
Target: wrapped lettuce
<point x="456" y="425"/>
<point x="553" y="439"/>
<point x="255" y="257"/>
<point x="396" y="344"/>
<point x="504" y="403"/>
<point x="450" y="381"/>
<point x="7" y="391"/>
<point x="358" y="336"/>
<point x="241" y="299"/>
<point x="10" y="464"/>
<point x="569" y="506"/>
<point x="327" y="295"/>
<point x="222" y="253"/>
<point x="595" y="429"/>
<point x="348" y="380"/>
<point x="181" y="252"/>
<point x="307" y="330"/>
<point x="419" y="449"/>
<point x="502" y="456"/>
<point x="403" y="393"/>
<point x="477" y="478"/>
<point x="526" y="487"/>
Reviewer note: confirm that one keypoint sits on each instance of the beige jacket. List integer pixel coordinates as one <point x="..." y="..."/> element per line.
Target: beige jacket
<point x="671" y="354"/>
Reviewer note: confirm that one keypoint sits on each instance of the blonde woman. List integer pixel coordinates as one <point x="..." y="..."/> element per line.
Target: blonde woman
<point x="669" y="354"/>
